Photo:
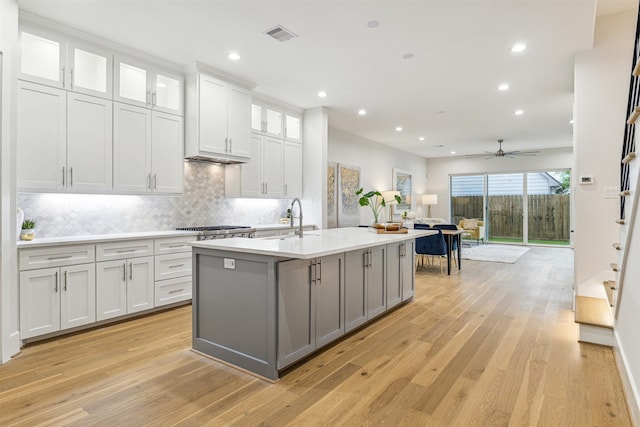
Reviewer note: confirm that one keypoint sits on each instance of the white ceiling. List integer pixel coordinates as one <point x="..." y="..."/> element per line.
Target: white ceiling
<point x="447" y="93"/>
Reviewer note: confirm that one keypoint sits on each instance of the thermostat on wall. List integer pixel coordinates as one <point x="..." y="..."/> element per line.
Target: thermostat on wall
<point x="585" y="179"/>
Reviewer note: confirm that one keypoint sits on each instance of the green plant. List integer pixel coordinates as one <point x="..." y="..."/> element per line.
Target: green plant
<point x="374" y="200"/>
<point x="29" y="224"/>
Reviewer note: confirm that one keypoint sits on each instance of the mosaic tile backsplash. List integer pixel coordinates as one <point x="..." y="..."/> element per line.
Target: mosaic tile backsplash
<point x="202" y="203"/>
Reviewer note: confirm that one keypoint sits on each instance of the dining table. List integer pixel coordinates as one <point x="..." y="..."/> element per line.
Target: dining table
<point x="450" y="236"/>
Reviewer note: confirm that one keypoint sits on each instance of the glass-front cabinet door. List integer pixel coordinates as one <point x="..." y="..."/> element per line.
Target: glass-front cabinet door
<point x="292" y="127"/>
<point x="43" y="57"/>
<point x="90" y="70"/>
<point x="273" y="119"/>
<point x="167" y="93"/>
<point x="132" y="82"/>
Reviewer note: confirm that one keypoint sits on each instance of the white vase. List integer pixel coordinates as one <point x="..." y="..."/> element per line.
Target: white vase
<point x="27" y="234"/>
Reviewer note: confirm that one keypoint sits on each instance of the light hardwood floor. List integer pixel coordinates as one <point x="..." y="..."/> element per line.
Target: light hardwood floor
<point x="494" y="344"/>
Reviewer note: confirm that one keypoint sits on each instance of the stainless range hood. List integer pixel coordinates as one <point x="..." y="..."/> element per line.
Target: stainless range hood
<point x="214" y="159"/>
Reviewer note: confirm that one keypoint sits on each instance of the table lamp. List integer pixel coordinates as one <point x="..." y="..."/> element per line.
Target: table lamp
<point x="429" y="199"/>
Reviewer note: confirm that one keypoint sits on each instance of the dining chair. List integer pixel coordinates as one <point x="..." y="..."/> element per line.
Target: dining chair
<point x="454" y="246"/>
<point x="433" y="245"/>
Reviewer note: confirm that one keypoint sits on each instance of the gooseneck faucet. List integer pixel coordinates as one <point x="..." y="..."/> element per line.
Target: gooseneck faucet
<point x="299" y="231"/>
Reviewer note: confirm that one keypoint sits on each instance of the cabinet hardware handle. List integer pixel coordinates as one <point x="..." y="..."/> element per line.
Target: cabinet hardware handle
<point x="64" y="77"/>
<point x="131" y="270"/>
<point x="285" y="189"/>
<point x="124" y="272"/>
<point x="51" y="258"/>
<point x="155" y="181"/>
<point x="66" y="278"/>
<point x="230" y="145"/>
<point x="153" y="98"/>
<point x="177" y="246"/>
<point x="226" y="145"/>
<point x="176" y="291"/>
<point x="71" y="177"/>
<point x="365" y="259"/>
<point x="64" y="176"/>
<point x="176" y="266"/>
<point x="370" y="258"/>
<point x="319" y="267"/>
<point x="55" y="287"/>
<point x="266" y="188"/>
<point x="71" y="77"/>
<point x="149" y="181"/>
<point x="148" y="97"/>
<point x="313" y="272"/>
<point x="126" y="251"/>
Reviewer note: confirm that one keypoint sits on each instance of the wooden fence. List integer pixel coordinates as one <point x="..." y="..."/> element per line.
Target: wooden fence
<point x="548" y="215"/>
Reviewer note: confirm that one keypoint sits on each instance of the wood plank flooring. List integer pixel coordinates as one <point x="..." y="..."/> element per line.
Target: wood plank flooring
<point x="492" y="345"/>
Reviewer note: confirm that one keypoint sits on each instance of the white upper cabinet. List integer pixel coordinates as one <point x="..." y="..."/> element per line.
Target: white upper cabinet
<point x="144" y="85"/>
<point x="276" y="121"/>
<point x="218" y="119"/>
<point x="63" y="140"/>
<point x="53" y="60"/>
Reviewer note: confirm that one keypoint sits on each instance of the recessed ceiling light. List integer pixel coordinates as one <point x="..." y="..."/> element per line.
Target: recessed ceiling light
<point x="503" y="86"/>
<point x="398" y="128"/>
<point x="234" y="56"/>
<point x="518" y="112"/>
<point x="571" y="121"/>
<point x="453" y="152"/>
<point x="518" y="47"/>
<point x="373" y="24"/>
<point x="407" y="55"/>
<point x="322" y="94"/>
<point x="421" y="138"/>
<point x="362" y="112"/>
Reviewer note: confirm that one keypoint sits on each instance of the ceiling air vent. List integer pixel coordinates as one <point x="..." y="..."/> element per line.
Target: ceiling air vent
<point x="280" y="33"/>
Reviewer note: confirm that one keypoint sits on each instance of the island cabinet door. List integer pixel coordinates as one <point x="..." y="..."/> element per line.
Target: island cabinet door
<point x="296" y="311"/>
<point x="355" y="298"/>
<point x="394" y="275"/>
<point x="376" y="286"/>
<point x="329" y="292"/>
<point x="407" y="269"/>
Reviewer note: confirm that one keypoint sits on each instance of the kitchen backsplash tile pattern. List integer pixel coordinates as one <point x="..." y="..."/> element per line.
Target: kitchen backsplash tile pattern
<point x="203" y="203"/>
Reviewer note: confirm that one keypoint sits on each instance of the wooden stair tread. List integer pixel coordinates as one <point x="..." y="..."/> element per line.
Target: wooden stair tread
<point x="593" y="311"/>
<point x="611" y="284"/>
<point x="614" y="266"/>
<point x="620" y="221"/>
<point x="629" y="157"/>
<point x="616" y="246"/>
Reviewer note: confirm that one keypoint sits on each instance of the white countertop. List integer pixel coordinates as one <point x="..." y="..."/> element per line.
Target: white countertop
<point x="97" y="238"/>
<point x="277" y="226"/>
<point x="315" y="243"/>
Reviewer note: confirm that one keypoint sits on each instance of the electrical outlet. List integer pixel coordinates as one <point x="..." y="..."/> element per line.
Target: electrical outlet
<point x="230" y="263"/>
<point x="611" y="192"/>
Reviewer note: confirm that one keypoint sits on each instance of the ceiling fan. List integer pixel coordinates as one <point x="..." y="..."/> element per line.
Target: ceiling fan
<point x="502" y="153"/>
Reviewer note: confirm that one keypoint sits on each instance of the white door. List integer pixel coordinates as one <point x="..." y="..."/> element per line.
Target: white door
<point x="251" y="182"/>
<point x="239" y="121"/>
<point x="212" y="115"/>
<point x="42" y="57"/>
<point x="89" y="143"/>
<point x="131" y="149"/>
<point x="78" y="295"/>
<point x="39" y="302"/>
<point x="132" y="82"/>
<point x="140" y="286"/>
<point x="167" y="94"/>
<point x="292" y="169"/>
<point x="90" y="70"/>
<point x="167" y="159"/>
<point x="272" y="166"/>
<point x="41" y="137"/>
<point x="111" y="289"/>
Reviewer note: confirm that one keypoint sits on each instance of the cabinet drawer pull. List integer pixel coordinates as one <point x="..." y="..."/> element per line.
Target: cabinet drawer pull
<point x="131" y="270"/>
<point x="126" y="251"/>
<point x="175" y="291"/>
<point x="55" y="286"/>
<point x="230" y="145"/>
<point x="148" y="97"/>
<point x="64" y="176"/>
<point x="71" y="176"/>
<point x="71" y="78"/>
<point x="319" y="273"/>
<point x="124" y="272"/>
<point x="64" y="77"/>
<point x="52" y="258"/>
<point x="176" y="266"/>
<point x="66" y="278"/>
<point x="178" y="246"/>
<point x="153" y="98"/>
<point x="155" y="181"/>
<point x="313" y="272"/>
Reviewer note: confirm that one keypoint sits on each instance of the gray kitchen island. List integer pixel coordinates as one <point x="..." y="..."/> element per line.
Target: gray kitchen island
<point x="263" y="304"/>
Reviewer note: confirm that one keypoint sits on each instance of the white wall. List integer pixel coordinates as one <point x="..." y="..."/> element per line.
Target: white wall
<point x="376" y="163"/>
<point x="601" y="91"/>
<point x="314" y="171"/>
<point x="441" y="168"/>
<point x="9" y="321"/>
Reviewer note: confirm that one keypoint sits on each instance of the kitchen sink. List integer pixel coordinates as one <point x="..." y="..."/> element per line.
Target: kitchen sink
<point x="292" y="236"/>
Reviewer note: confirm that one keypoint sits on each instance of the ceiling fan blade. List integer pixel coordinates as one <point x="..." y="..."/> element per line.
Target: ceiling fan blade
<point x="475" y="156"/>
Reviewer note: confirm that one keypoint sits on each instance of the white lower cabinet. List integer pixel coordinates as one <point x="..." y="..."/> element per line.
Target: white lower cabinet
<point x="173" y="265"/>
<point x="57" y="298"/>
<point x="124" y="286"/>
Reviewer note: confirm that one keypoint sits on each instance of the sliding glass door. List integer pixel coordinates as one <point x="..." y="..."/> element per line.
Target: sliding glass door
<point x="528" y="207"/>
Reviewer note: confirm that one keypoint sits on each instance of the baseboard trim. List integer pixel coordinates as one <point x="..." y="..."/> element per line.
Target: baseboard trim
<point x="630" y="389"/>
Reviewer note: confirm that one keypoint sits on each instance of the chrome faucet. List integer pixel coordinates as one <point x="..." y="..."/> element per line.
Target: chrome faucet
<point x="299" y="231"/>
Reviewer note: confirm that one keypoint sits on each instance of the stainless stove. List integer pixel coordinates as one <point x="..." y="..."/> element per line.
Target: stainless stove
<point x="213" y="232"/>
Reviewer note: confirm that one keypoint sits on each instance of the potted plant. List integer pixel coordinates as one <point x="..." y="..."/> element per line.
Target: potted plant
<point x="28" y="232"/>
<point x="374" y="200"/>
